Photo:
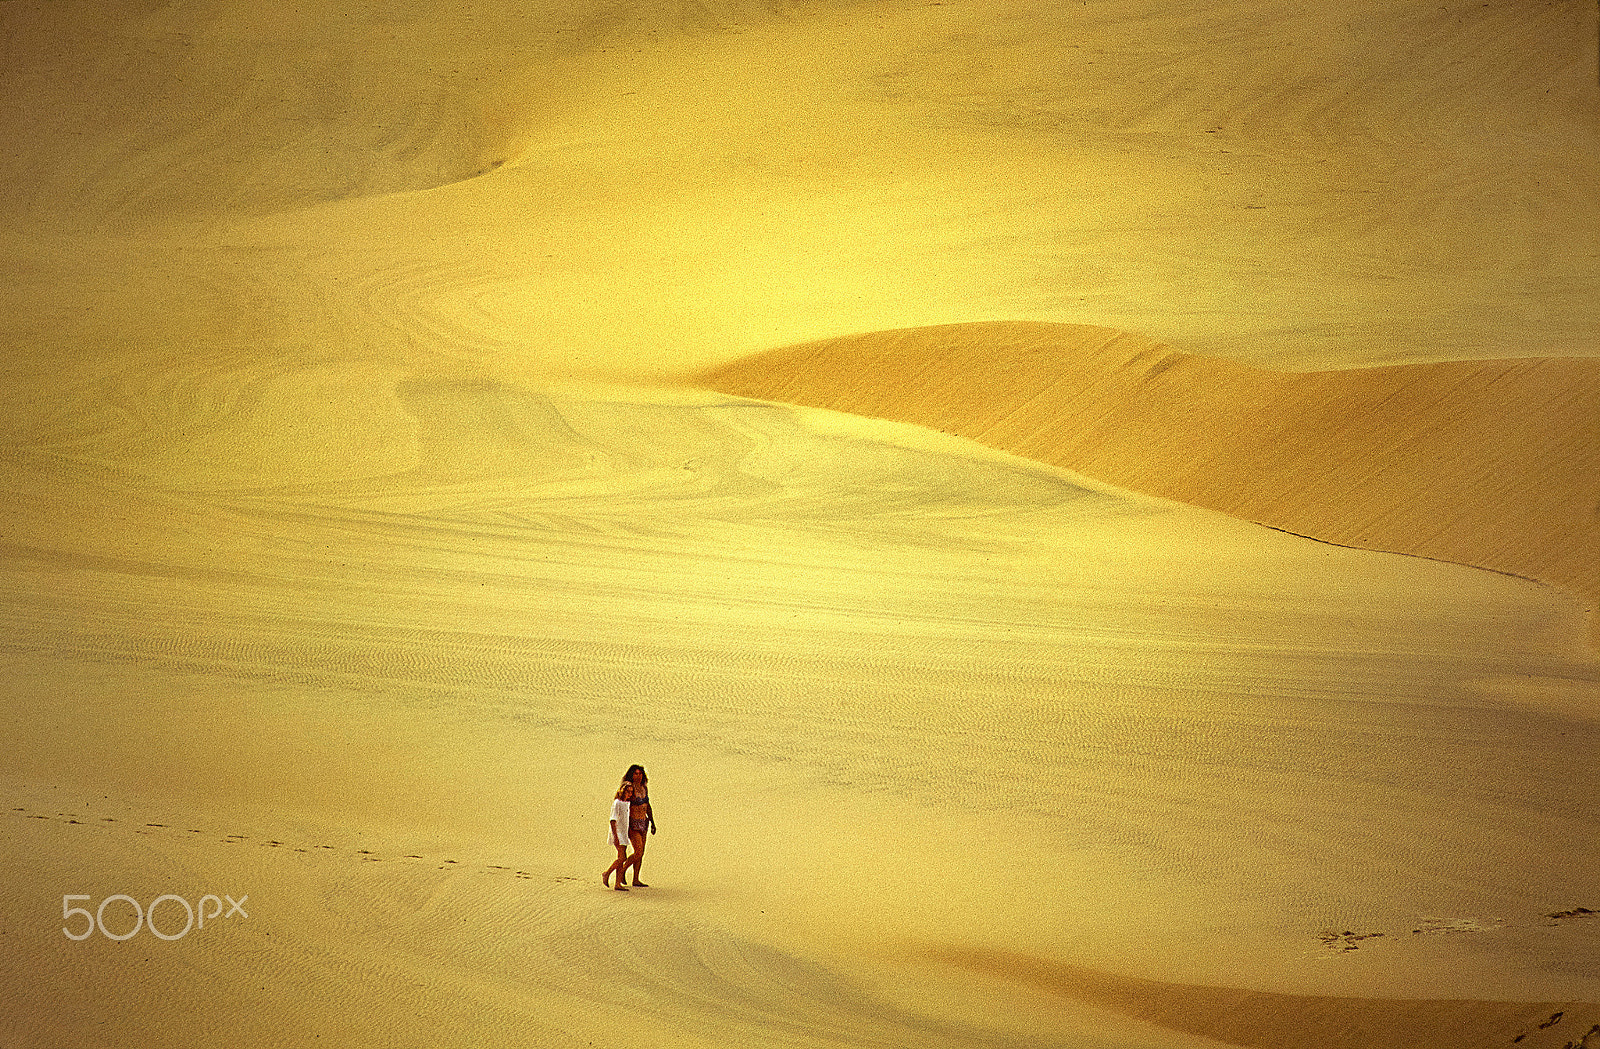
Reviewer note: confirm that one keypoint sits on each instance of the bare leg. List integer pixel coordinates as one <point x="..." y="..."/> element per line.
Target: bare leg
<point x="637" y="859"/>
<point x="619" y="867"/>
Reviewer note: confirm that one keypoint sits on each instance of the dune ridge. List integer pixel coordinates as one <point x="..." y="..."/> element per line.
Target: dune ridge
<point x="1492" y="464"/>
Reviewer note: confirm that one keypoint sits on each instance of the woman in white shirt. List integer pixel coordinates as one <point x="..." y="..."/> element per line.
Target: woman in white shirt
<point x="619" y="838"/>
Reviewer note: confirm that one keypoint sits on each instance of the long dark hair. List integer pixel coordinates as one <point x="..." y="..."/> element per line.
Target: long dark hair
<point x="644" y="777"/>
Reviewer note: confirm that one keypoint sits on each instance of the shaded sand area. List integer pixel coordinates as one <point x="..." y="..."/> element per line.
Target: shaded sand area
<point x="359" y="526"/>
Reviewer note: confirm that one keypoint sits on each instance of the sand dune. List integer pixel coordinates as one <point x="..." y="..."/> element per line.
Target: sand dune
<point x="357" y="526"/>
<point x="1487" y="463"/>
<point x="802" y="613"/>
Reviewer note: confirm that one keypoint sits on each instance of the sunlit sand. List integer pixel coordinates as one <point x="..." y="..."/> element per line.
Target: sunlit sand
<point x="1086" y="512"/>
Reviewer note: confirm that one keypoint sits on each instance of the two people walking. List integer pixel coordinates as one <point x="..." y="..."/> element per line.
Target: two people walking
<point x="631" y="819"/>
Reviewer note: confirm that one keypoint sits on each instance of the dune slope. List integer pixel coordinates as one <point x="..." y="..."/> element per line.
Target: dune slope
<point x="1488" y="463"/>
<point x="1262" y="1020"/>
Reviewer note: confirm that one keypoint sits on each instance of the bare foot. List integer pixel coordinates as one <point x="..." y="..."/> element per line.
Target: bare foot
<point x="640" y="885"/>
<point x="620" y="887"/>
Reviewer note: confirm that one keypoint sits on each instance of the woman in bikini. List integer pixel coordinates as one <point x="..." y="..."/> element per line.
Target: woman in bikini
<point x="641" y="818"/>
<point x="619" y="838"/>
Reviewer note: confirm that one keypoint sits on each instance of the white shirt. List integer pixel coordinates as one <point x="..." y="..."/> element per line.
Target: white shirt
<point x="619" y="813"/>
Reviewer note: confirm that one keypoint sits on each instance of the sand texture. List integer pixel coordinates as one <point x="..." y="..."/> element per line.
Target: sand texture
<point x="1488" y="463"/>
<point x="1086" y="511"/>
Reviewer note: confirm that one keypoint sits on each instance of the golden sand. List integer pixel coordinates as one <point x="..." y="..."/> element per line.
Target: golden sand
<point x="1494" y="464"/>
<point x="359" y="525"/>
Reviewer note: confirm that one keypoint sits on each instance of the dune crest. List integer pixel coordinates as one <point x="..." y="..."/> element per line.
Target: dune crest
<point x="1494" y="464"/>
